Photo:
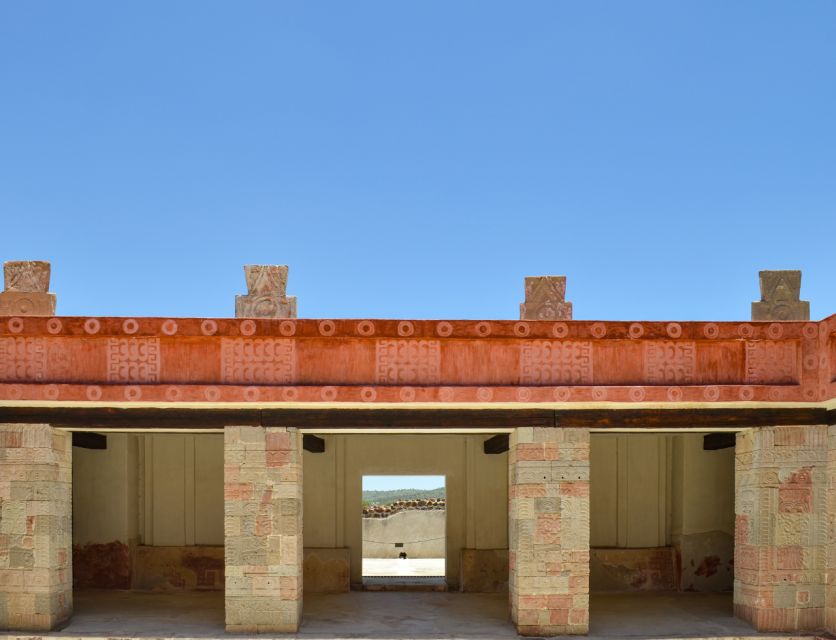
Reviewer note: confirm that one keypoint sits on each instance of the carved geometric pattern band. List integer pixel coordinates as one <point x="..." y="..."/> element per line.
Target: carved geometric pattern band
<point x="257" y="361"/>
<point x="544" y="362"/>
<point x="133" y="360"/>
<point x="408" y="361"/>
<point x="22" y="359"/>
<point x="670" y="362"/>
<point x="771" y="362"/>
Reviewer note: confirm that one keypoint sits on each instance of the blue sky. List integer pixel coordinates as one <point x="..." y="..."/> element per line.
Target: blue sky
<point x="418" y="160"/>
<point x="383" y="483"/>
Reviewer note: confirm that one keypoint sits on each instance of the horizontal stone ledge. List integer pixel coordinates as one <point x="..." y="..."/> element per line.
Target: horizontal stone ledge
<point x="370" y="395"/>
<point x="151" y="418"/>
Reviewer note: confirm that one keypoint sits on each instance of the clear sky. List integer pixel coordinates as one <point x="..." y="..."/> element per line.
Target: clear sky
<point x="384" y="483"/>
<point x="417" y="160"/>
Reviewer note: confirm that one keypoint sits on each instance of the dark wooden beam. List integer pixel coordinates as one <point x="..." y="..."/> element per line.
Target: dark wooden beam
<point x="88" y="440"/>
<point x="435" y="418"/>
<point x="500" y="443"/>
<point x="708" y="419"/>
<point x="716" y="441"/>
<point x="313" y="444"/>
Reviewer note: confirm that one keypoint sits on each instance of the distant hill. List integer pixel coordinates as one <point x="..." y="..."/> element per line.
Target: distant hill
<point x="388" y="497"/>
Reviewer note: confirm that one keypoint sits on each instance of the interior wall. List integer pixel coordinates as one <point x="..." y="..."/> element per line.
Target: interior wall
<point x="662" y="513"/>
<point x="476" y="484"/>
<point x="148" y="512"/>
<point x="702" y="514"/>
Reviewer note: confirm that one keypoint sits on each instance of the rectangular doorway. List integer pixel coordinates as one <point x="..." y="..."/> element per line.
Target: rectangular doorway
<point x="404" y="524"/>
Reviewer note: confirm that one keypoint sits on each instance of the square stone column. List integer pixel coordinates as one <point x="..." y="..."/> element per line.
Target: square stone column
<point x="781" y="527"/>
<point x="36" y="585"/>
<point x="263" y="529"/>
<point x="830" y="574"/>
<point x="548" y="524"/>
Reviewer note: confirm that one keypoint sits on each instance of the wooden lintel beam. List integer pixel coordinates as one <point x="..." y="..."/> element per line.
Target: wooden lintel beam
<point x="416" y="418"/>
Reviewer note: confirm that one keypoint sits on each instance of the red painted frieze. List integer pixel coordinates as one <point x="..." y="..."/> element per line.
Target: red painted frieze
<point x="423" y="361"/>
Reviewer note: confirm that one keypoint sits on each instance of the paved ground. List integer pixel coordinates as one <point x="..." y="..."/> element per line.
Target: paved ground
<point x="402" y="615"/>
<point x="397" y="567"/>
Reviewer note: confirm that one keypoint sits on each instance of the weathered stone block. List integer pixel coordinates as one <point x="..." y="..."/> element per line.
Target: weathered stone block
<point x="545" y="299"/>
<point x="780" y="298"/>
<point x="266" y="293"/>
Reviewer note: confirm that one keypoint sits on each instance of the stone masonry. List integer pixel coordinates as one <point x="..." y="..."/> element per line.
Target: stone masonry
<point x="26" y="289"/>
<point x="549" y="531"/>
<point x="830" y="574"/>
<point x="780" y="298"/>
<point x="35" y="527"/>
<point x="266" y="293"/>
<point x="781" y="527"/>
<point x="263" y="529"/>
<point x="545" y="299"/>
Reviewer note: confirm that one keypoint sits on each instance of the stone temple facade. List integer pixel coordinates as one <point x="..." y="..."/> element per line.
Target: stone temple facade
<point x="282" y="393"/>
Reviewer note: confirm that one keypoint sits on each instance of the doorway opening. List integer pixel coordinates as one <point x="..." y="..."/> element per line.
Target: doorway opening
<point x="662" y="534"/>
<point x="404" y="525"/>
<point x="148" y="534"/>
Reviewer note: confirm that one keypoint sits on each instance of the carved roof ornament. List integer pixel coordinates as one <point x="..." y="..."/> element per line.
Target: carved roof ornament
<point x="545" y="299"/>
<point x="26" y="291"/>
<point x="780" y="298"/>
<point x="266" y="293"/>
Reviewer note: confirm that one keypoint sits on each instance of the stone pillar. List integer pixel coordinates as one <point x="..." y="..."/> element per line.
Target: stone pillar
<point x="545" y="299"/>
<point x="780" y="527"/>
<point x="36" y="585"/>
<point x="26" y="289"/>
<point x="780" y="298"/>
<point x="548" y="524"/>
<point x="830" y="573"/>
<point x="266" y="293"/>
<point x="263" y="529"/>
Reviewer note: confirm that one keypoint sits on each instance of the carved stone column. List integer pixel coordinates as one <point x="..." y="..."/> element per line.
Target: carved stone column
<point x="36" y="585"/>
<point x="26" y="289"/>
<point x="545" y="299"/>
<point x="266" y="293"/>
<point x="781" y="527"/>
<point x="780" y="298"/>
<point x="263" y="529"/>
<point x="548" y="524"/>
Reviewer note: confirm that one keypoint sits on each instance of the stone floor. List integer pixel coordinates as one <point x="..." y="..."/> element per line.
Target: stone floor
<point x="401" y="615"/>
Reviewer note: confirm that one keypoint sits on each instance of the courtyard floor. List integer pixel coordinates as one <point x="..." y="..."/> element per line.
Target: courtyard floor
<point x="401" y="615"/>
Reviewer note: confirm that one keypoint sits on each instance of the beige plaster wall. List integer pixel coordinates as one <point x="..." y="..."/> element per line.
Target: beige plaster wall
<point x="657" y="490"/>
<point x="105" y="491"/>
<point x="422" y="534"/>
<point x="629" y="497"/>
<point x="477" y="490"/>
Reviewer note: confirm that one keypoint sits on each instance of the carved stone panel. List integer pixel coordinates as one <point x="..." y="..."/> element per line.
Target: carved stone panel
<point x="257" y="361"/>
<point x="771" y="362"/>
<point x="408" y="361"/>
<point x="780" y="297"/>
<point x="26" y="289"/>
<point x="133" y="360"/>
<point x="555" y="362"/>
<point x="545" y="299"/>
<point x="670" y="362"/>
<point x="266" y="293"/>
<point x="26" y="275"/>
<point x="22" y="359"/>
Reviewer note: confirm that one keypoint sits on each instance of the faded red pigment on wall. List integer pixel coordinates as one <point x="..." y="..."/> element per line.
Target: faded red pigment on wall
<point x="116" y="565"/>
<point x="245" y="360"/>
